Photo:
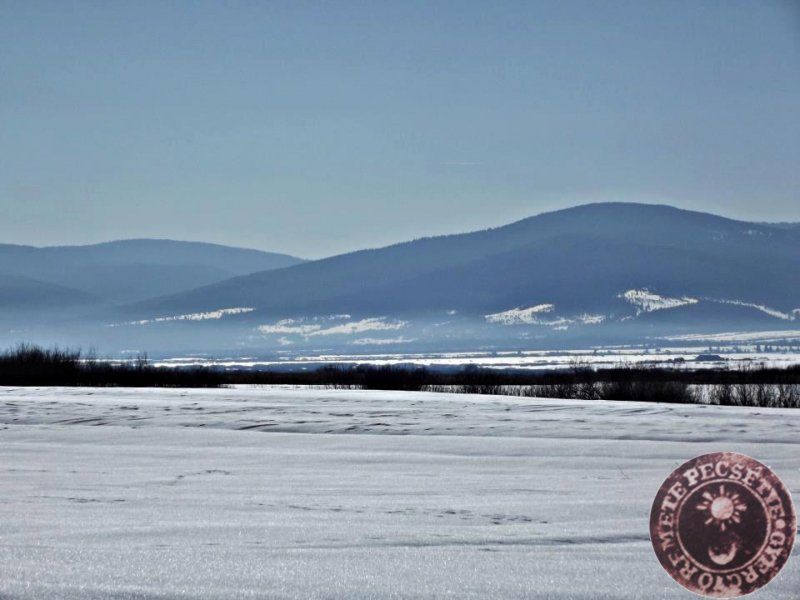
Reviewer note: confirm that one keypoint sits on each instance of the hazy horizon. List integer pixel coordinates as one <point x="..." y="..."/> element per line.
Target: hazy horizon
<point x="435" y="234"/>
<point x="315" y="130"/>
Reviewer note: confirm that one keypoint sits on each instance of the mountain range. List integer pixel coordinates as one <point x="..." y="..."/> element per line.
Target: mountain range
<point x="121" y="271"/>
<point x="599" y="273"/>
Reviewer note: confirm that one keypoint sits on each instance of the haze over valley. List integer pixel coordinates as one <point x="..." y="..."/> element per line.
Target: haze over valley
<point x="593" y="275"/>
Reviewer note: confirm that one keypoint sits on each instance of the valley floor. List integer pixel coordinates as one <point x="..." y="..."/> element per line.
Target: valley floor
<point x="300" y="493"/>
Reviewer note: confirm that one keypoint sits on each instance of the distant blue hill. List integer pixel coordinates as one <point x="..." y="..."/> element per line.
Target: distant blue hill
<point x="579" y="259"/>
<point x="592" y="274"/>
<point x="25" y="293"/>
<point x="130" y="270"/>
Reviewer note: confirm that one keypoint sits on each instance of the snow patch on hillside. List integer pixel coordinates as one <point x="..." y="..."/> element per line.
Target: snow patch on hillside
<point x="315" y="326"/>
<point x="590" y="319"/>
<point x="533" y="316"/>
<point x="382" y="341"/>
<point x="289" y="326"/>
<point x="738" y="336"/>
<point x="301" y="325"/>
<point x="201" y="316"/>
<point x="646" y="301"/>
<point x="371" y="324"/>
<point x="518" y="316"/>
<point x="765" y="309"/>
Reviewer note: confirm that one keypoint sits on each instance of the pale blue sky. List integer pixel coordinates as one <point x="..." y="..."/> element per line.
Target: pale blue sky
<point x="316" y="128"/>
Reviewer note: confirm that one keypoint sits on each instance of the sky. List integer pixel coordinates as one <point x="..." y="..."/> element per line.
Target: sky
<point x="315" y="128"/>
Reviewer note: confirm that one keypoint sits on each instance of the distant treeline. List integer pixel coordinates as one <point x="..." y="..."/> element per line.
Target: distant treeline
<point x="758" y="386"/>
<point x="405" y="377"/>
<point x="28" y="365"/>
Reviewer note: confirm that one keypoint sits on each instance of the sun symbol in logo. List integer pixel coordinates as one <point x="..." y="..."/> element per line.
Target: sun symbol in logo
<point x="723" y="507"/>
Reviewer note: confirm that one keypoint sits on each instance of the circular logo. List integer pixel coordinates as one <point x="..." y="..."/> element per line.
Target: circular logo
<point x="722" y="525"/>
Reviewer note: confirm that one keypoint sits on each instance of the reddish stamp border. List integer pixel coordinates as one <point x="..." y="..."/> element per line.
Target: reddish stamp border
<point x="765" y="533"/>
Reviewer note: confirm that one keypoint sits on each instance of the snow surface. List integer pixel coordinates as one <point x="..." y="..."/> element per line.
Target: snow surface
<point x="287" y="492"/>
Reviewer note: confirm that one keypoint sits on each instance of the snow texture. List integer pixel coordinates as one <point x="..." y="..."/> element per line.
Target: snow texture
<point x="308" y="493"/>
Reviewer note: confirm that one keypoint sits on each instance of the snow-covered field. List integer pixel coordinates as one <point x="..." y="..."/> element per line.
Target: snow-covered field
<point x="686" y="357"/>
<point x="302" y="493"/>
